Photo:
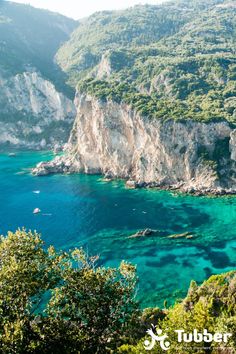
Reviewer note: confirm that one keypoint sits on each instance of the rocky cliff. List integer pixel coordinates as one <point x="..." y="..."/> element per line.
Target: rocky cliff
<point x="114" y="140"/>
<point x="36" y="108"/>
<point x="33" y="114"/>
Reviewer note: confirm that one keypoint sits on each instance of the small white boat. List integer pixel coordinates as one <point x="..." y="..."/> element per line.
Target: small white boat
<point x="36" y="211"/>
<point x="36" y="192"/>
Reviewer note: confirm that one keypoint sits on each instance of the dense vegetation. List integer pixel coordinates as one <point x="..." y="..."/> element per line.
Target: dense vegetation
<point x="211" y="306"/>
<point x="176" y="60"/>
<point x="60" y="302"/>
<point x="65" y="302"/>
<point x="140" y="25"/>
<point x="29" y="40"/>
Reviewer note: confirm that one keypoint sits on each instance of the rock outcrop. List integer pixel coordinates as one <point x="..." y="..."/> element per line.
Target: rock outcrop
<point x="144" y="233"/>
<point x="111" y="139"/>
<point x="33" y="114"/>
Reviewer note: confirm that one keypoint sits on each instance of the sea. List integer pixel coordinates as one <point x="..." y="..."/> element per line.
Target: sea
<point x="86" y="211"/>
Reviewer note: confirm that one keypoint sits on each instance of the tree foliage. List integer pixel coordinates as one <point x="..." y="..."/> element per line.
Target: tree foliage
<point x="63" y="302"/>
<point x="175" y="61"/>
<point x="211" y="306"/>
<point x="60" y="302"/>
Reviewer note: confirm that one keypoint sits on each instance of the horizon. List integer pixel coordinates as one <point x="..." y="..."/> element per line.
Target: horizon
<point x="75" y="10"/>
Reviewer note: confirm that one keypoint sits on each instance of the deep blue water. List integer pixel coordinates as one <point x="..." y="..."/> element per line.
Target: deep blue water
<point x="80" y="210"/>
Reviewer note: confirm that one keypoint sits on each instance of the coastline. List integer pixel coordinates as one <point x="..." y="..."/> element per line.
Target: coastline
<point x="60" y="165"/>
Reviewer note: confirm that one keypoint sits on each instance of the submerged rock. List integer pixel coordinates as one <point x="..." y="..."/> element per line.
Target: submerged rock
<point x="105" y="179"/>
<point x="187" y="235"/>
<point x="142" y="233"/>
<point x="108" y="178"/>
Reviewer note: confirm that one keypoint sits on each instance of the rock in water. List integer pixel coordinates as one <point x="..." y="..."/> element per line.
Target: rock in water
<point x="131" y="184"/>
<point x="187" y="235"/>
<point x="142" y="233"/>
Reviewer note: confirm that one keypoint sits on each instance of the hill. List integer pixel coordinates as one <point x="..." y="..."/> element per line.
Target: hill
<point x="29" y="38"/>
<point x="36" y="108"/>
<point x="174" y="60"/>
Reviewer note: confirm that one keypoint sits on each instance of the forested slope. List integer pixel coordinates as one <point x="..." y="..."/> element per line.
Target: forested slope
<point x="176" y="60"/>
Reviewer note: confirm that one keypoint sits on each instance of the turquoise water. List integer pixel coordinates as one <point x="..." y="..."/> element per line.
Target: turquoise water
<point x="80" y="210"/>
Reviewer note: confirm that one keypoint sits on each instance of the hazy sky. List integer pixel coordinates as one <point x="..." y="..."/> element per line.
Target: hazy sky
<point x="82" y="8"/>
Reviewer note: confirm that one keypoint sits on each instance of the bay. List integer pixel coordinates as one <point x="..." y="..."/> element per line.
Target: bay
<point x="82" y="210"/>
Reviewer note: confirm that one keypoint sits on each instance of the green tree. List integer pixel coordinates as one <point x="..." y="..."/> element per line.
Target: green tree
<point x="54" y="302"/>
<point x="210" y="306"/>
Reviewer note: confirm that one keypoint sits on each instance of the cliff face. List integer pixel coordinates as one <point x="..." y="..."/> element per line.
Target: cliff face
<point x="32" y="113"/>
<point x="112" y="139"/>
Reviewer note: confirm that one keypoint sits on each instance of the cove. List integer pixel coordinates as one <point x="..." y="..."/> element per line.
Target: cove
<point x="81" y="210"/>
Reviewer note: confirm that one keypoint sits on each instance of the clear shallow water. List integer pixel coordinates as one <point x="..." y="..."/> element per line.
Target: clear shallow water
<point x="80" y="210"/>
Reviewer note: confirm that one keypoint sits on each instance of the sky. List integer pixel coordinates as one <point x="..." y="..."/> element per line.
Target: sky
<point x="82" y="8"/>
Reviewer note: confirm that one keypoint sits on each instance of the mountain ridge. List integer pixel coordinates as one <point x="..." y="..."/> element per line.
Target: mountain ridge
<point x="37" y="109"/>
<point x="184" y="62"/>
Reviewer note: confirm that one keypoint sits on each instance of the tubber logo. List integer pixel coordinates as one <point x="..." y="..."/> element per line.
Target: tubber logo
<point x="158" y="337"/>
<point x="183" y="337"/>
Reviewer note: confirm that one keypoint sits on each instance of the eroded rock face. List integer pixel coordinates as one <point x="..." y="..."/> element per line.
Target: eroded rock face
<point x="33" y="114"/>
<point x="112" y="139"/>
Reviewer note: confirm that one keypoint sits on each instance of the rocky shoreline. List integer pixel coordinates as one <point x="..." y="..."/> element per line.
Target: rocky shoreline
<point x="62" y="165"/>
<point x="53" y="167"/>
<point x="182" y="187"/>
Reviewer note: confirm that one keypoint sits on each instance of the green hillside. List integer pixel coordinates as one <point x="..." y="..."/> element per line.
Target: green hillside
<point x="140" y="25"/>
<point x="176" y="60"/>
<point x="29" y="38"/>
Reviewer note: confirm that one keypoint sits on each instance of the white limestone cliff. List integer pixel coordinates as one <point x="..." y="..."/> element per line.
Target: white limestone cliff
<point x="112" y="139"/>
<point x="33" y="114"/>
